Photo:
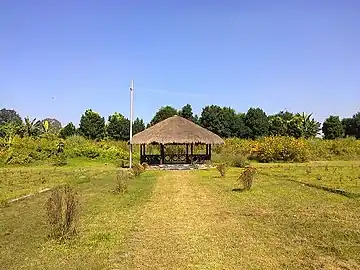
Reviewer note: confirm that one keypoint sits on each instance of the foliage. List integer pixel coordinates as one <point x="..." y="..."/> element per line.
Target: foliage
<point x="187" y="112"/>
<point x="68" y="130"/>
<point x="9" y="116"/>
<point x="60" y="159"/>
<point x="138" y="126"/>
<point x="118" y="127"/>
<point x="349" y="127"/>
<point x="332" y="128"/>
<point x="62" y="212"/>
<point x="356" y="124"/>
<point x="92" y="125"/>
<point x="32" y="127"/>
<point x="247" y="177"/>
<point x="309" y="127"/>
<point x="238" y="161"/>
<point x="223" y="121"/>
<point x="53" y="125"/>
<point x="137" y="169"/>
<point x="222" y="169"/>
<point x="287" y="149"/>
<point x="162" y="114"/>
<point x="258" y="123"/>
<point x="278" y="126"/>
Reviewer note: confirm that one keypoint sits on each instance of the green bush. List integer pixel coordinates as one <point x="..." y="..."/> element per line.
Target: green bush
<point x="17" y="158"/>
<point x="287" y="149"/>
<point x="60" y="159"/>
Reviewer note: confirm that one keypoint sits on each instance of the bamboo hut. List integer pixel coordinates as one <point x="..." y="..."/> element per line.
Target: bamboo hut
<point x="176" y="130"/>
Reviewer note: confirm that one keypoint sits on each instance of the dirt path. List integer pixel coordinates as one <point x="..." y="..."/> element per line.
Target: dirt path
<point x="179" y="228"/>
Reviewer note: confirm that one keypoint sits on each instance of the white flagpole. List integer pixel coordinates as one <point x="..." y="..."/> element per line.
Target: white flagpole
<point x="131" y="118"/>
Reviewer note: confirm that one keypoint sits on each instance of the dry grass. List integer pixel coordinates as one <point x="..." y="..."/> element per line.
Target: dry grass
<point x="193" y="220"/>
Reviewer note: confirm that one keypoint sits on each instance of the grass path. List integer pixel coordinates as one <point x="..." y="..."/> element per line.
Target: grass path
<point x="182" y="227"/>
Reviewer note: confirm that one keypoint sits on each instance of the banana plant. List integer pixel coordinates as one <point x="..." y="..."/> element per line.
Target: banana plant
<point x="32" y="127"/>
<point x="45" y="126"/>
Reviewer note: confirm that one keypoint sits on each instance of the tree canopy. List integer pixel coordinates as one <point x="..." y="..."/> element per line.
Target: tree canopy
<point x="118" y="127"/>
<point x="332" y="128"/>
<point x="92" y="125"/>
<point x="224" y="121"/>
<point x="257" y="122"/>
<point x="9" y="116"/>
<point x="162" y="114"/>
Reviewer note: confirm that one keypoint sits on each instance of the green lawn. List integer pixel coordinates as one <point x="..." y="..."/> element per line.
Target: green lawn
<point x="188" y="219"/>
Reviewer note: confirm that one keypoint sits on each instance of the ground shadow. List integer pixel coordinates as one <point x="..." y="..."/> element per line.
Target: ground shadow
<point x="238" y="189"/>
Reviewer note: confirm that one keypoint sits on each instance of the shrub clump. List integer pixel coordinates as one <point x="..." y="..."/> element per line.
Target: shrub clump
<point x="60" y="159"/>
<point x="287" y="149"/>
<point x="247" y="177"/>
<point x="137" y="169"/>
<point x="122" y="182"/>
<point x="62" y="212"/>
<point x="222" y="169"/>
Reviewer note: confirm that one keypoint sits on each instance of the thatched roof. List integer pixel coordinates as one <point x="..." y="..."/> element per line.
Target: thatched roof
<point x="176" y="130"/>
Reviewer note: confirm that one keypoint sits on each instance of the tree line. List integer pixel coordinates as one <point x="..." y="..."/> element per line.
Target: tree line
<point x="224" y="121"/>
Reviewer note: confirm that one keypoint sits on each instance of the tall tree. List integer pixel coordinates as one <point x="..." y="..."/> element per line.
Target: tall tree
<point x="138" y="126"/>
<point x="303" y="125"/>
<point x="278" y="126"/>
<point x="187" y="112"/>
<point x="68" y="130"/>
<point x="9" y="116"/>
<point x="332" y="128"/>
<point x="349" y="127"/>
<point x="54" y="125"/>
<point x="257" y="121"/>
<point x="356" y="125"/>
<point x="210" y="119"/>
<point x="92" y="125"/>
<point x="239" y="129"/>
<point x="162" y="114"/>
<point x="118" y="127"/>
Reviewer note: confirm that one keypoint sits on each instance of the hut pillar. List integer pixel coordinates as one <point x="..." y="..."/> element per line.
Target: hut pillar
<point x="162" y="154"/>
<point x="187" y="153"/>
<point x="209" y="154"/>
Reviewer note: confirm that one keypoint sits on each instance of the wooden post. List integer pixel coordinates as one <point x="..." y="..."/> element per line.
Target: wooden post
<point x="209" y="152"/>
<point x="162" y="154"/>
<point x="207" y="149"/>
<point x="187" y="153"/>
<point x="141" y="155"/>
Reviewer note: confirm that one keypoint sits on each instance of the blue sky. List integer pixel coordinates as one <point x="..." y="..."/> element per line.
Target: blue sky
<point x="58" y="58"/>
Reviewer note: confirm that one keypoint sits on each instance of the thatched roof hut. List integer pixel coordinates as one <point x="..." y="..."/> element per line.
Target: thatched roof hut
<point x="176" y="130"/>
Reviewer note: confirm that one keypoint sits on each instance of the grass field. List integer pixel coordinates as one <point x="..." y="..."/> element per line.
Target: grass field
<point x="188" y="219"/>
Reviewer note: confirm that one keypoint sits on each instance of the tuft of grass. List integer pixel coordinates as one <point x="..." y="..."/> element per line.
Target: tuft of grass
<point x="62" y="212"/>
<point x="247" y="177"/>
<point x="122" y="182"/>
<point x="137" y="169"/>
<point x="222" y="169"/>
